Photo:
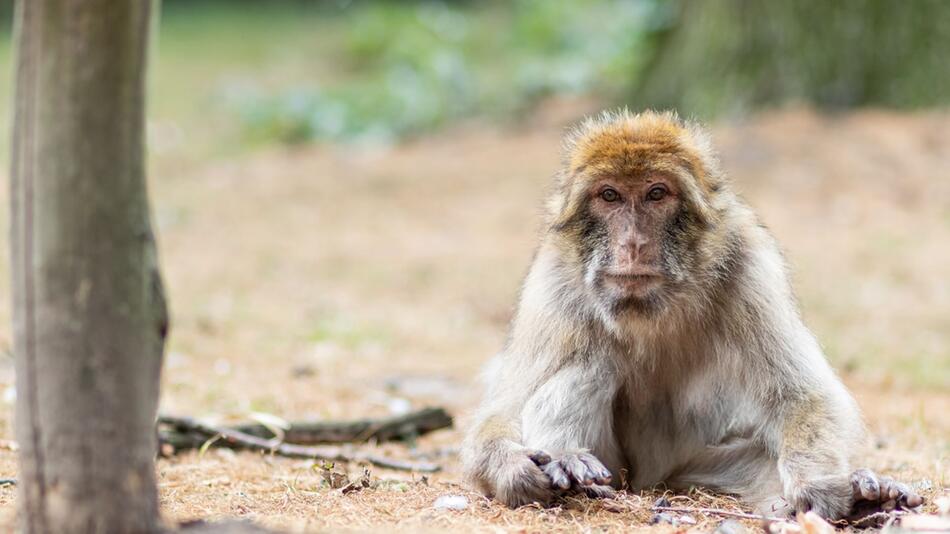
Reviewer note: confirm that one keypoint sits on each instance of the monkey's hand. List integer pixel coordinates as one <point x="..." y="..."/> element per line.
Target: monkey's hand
<point x="828" y="496"/>
<point x="575" y="470"/>
<point x="876" y="493"/>
<point x="519" y="480"/>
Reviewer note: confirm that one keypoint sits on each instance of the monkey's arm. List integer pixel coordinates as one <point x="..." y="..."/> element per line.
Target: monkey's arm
<point x="821" y="435"/>
<point x="530" y="442"/>
<point x="571" y="416"/>
<point x="814" y="454"/>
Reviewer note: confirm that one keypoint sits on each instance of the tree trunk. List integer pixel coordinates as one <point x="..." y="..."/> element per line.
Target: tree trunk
<point x="88" y="308"/>
<point x="726" y="56"/>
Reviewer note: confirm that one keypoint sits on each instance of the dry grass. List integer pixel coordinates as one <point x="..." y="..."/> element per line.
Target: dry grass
<point x="339" y="283"/>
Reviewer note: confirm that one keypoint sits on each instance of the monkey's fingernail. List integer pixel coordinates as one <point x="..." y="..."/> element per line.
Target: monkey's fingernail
<point x="914" y="501"/>
<point x="894" y="493"/>
<point x="540" y="457"/>
<point x="889" y="505"/>
<point x="870" y="493"/>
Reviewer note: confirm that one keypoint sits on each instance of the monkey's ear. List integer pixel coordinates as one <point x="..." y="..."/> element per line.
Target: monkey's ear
<point x="699" y="201"/>
<point x="706" y="180"/>
<point x="699" y="142"/>
<point x="564" y="200"/>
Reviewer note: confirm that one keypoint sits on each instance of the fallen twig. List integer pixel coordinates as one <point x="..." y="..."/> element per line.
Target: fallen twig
<point x="400" y="427"/>
<point x="240" y="440"/>
<point x="716" y="511"/>
<point x="873" y="520"/>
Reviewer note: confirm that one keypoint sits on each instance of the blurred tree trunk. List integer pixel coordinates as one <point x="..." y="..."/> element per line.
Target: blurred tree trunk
<point x="728" y="55"/>
<point x="88" y="310"/>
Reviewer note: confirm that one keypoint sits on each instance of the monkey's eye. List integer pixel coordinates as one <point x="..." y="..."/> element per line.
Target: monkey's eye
<point x="610" y="195"/>
<point x="657" y="192"/>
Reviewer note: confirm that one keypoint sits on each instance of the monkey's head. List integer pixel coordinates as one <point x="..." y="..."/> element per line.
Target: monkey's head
<point x="634" y="210"/>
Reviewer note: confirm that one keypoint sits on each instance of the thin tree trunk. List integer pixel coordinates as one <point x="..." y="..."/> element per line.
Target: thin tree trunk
<point x="88" y="309"/>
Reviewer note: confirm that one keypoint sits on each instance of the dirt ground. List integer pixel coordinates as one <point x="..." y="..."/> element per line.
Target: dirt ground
<point x="343" y="282"/>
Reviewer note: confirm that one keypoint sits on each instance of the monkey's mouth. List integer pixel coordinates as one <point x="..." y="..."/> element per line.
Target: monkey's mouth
<point x="633" y="282"/>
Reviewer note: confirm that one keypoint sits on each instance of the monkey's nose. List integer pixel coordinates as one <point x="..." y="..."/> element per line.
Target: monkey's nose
<point x="635" y="250"/>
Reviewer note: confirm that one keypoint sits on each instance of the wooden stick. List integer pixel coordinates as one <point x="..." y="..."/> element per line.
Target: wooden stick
<point x="716" y="511"/>
<point x="240" y="440"/>
<point x="400" y="427"/>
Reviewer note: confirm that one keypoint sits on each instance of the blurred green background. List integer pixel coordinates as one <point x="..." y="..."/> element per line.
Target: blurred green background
<point x="232" y="73"/>
<point x="227" y="74"/>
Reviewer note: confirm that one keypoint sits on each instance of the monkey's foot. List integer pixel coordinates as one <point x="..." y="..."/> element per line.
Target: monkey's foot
<point x="875" y="493"/>
<point x="576" y="469"/>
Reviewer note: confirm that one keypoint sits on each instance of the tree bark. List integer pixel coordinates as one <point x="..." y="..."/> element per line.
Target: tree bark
<point x="730" y="56"/>
<point x="88" y="307"/>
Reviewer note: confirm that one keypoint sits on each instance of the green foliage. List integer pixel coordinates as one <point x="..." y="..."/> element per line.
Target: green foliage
<point x="401" y="68"/>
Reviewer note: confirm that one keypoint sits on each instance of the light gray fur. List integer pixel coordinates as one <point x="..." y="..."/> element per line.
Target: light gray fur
<point x="728" y="390"/>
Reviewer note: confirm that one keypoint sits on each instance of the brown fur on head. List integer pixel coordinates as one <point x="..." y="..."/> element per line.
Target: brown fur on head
<point x="639" y="254"/>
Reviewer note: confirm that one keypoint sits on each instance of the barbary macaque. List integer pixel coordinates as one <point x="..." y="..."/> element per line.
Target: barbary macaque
<point x="657" y="340"/>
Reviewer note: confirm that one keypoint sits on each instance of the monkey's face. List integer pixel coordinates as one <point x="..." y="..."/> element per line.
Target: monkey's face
<point x="632" y="211"/>
<point x="630" y="245"/>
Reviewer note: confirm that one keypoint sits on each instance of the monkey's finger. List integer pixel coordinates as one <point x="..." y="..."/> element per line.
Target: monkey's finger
<point x="559" y="477"/>
<point x="578" y="469"/>
<point x="865" y="485"/>
<point x="893" y="490"/>
<point x="539" y="457"/>
<point x="904" y="495"/>
<point x="885" y="488"/>
<point x="601" y="474"/>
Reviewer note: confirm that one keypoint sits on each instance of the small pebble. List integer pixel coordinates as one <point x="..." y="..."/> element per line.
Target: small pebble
<point x="943" y="505"/>
<point x="302" y="371"/>
<point x="784" y="527"/>
<point x="222" y="367"/>
<point x="687" y="519"/>
<point x="451" y="502"/>
<point x="399" y="406"/>
<point x="730" y="526"/>
<point x="663" y="517"/>
<point x="662" y="502"/>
